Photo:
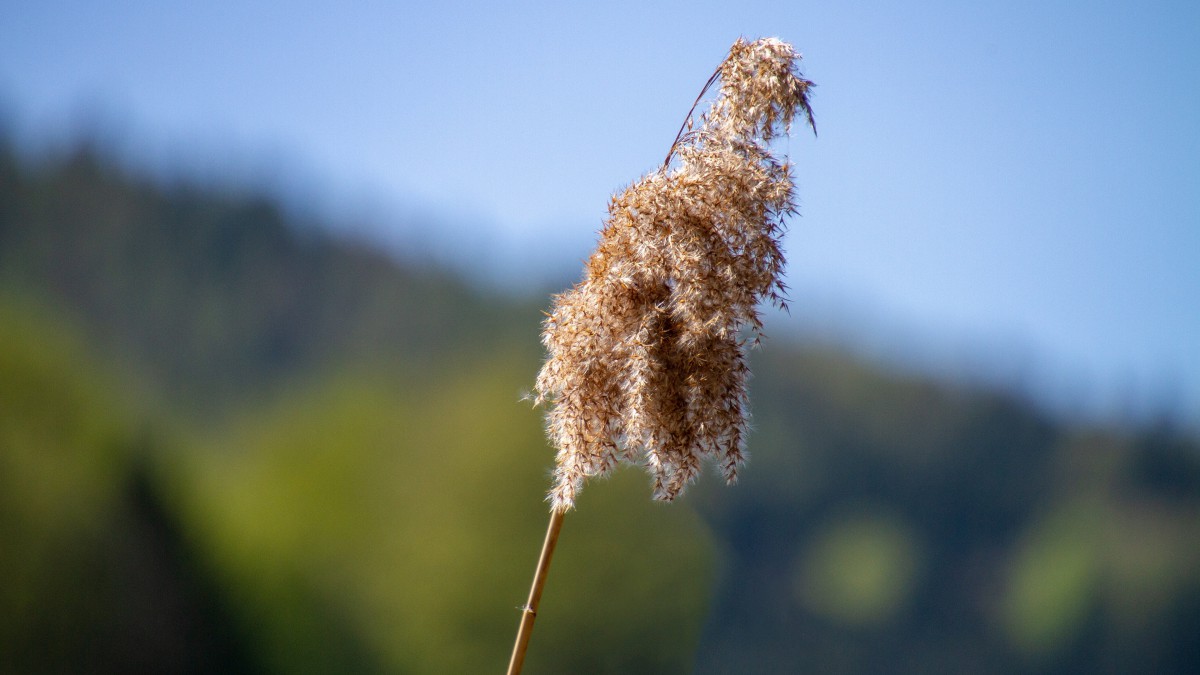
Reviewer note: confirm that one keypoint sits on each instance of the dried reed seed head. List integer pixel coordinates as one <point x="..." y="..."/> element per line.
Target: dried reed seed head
<point x="646" y="355"/>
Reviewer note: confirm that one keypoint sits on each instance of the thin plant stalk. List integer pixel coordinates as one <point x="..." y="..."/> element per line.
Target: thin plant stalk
<point x="529" y="611"/>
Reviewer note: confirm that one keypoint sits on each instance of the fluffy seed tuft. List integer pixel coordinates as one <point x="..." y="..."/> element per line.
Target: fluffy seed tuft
<point x="646" y="355"/>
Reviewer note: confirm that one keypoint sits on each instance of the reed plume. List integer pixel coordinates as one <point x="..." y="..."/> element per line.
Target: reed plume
<point x="646" y="354"/>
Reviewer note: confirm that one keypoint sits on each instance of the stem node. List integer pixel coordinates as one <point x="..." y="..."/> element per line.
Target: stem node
<point x="529" y="610"/>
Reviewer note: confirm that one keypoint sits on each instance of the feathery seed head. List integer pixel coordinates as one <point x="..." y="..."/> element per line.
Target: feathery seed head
<point x="646" y="358"/>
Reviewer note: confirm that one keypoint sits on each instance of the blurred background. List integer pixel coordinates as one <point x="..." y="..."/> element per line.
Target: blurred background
<point x="271" y="279"/>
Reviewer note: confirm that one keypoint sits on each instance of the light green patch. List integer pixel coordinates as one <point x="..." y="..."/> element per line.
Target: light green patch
<point x="859" y="570"/>
<point x="1053" y="581"/>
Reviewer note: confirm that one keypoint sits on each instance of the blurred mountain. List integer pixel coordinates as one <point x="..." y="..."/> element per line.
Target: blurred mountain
<point x="233" y="442"/>
<point x="207" y="295"/>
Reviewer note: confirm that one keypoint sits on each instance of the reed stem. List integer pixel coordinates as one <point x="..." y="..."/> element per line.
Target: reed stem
<point x="683" y="127"/>
<point x="529" y="611"/>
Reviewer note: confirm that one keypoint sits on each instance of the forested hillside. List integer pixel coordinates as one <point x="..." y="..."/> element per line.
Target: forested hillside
<point x="232" y="442"/>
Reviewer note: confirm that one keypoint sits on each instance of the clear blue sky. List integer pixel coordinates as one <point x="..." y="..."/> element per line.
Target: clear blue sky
<point x="1012" y="178"/>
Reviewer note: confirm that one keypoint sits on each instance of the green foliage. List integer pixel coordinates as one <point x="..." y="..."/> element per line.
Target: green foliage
<point x="1053" y="581"/>
<point x="93" y="575"/>
<point x="933" y="528"/>
<point x="60" y="452"/>
<point x="61" y="431"/>
<point x="409" y="517"/>
<point x="858" y="570"/>
<point x="235" y="445"/>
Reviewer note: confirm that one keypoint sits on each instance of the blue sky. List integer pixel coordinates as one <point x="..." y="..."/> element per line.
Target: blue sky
<point x="1011" y="186"/>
